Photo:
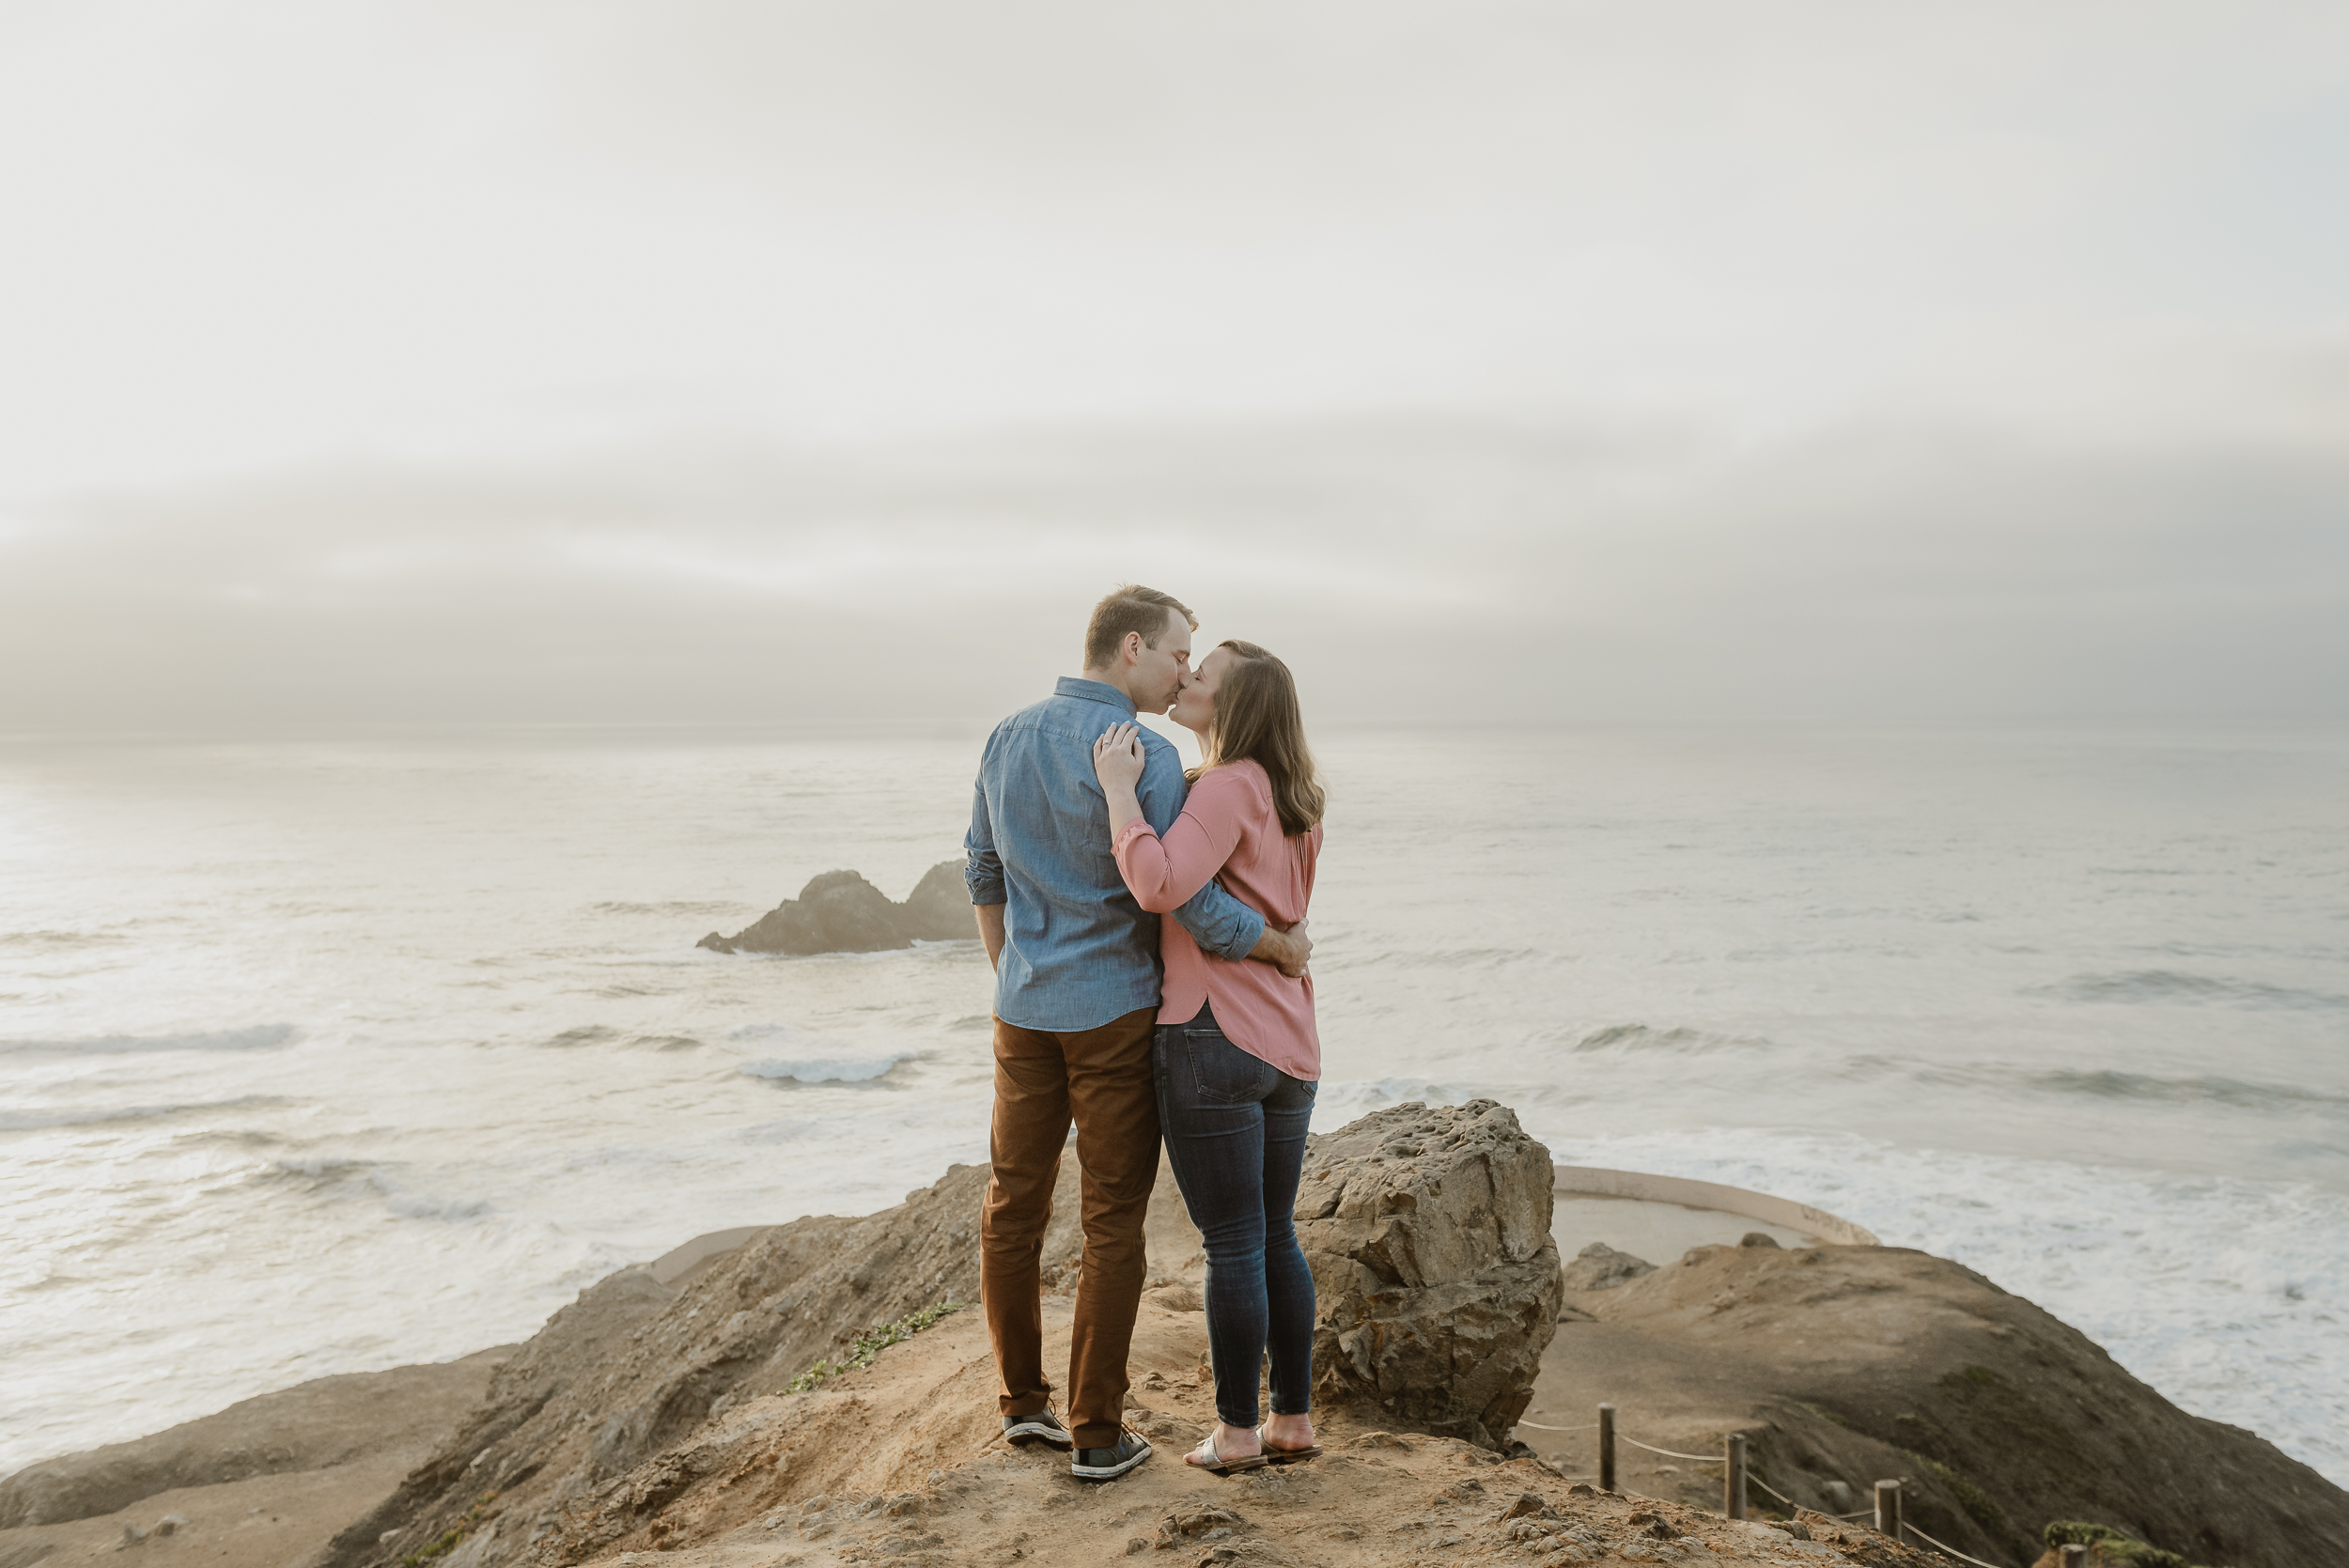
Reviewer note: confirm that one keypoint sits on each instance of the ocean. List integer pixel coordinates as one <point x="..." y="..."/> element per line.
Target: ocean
<point x="329" y="1056"/>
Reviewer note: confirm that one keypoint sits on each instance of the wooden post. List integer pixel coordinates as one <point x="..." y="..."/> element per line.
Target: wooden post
<point x="2074" y="1556"/>
<point x="1888" y="1508"/>
<point x="1733" y="1483"/>
<point x="1605" y="1448"/>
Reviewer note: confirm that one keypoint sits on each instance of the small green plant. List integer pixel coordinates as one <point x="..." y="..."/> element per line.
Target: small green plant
<point x="1972" y="1498"/>
<point x="2112" y="1544"/>
<point x="1978" y="1377"/>
<point x="869" y="1344"/>
<point x="445" y="1542"/>
<point x="1977" y="1503"/>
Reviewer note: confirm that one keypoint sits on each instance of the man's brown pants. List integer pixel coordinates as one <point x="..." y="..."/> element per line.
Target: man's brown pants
<point x="1101" y="1076"/>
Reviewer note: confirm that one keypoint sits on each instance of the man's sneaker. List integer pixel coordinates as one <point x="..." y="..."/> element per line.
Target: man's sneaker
<point x="1042" y="1427"/>
<point x="1108" y="1464"/>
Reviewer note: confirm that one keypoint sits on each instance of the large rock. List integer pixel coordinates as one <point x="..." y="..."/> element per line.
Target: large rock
<point x="1428" y="1234"/>
<point x="841" y="913"/>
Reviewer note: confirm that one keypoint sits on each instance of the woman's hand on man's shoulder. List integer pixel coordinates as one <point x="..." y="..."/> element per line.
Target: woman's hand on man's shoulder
<point x="1118" y="756"/>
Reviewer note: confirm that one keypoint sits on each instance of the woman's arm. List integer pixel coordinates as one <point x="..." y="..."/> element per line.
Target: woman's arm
<point x="1164" y="873"/>
<point x="1221" y="924"/>
<point x="1162" y="876"/>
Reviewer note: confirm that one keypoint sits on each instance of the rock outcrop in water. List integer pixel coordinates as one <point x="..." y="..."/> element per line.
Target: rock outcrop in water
<point x="841" y="913"/>
<point x="1428" y="1233"/>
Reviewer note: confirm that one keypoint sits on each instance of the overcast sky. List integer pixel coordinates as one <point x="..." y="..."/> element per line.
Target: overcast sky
<point x="765" y="362"/>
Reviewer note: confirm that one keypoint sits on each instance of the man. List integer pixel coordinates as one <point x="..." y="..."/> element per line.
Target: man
<point x="1076" y="1002"/>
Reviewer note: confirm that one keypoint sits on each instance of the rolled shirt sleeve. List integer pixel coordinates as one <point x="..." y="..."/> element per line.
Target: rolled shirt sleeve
<point x="1218" y="923"/>
<point x="982" y="868"/>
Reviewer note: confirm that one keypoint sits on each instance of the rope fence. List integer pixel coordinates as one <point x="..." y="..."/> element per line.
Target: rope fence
<point x="1668" y="1453"/>
<point x="1947" y="1550"/>
<point x="1884" y="1516"/>
<point x="1864" y="1514"/>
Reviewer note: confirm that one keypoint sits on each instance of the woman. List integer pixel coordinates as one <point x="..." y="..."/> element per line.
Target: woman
<point x="1236" y="1055"/>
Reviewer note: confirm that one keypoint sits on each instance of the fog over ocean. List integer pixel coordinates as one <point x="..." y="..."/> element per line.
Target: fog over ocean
<point x="324" y="1055"/>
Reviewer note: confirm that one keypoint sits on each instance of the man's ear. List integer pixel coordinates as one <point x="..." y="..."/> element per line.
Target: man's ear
<point x="1132" y="648"/>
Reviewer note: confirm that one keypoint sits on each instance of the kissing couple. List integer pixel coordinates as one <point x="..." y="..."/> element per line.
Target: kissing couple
<point x="1147" y="931"/>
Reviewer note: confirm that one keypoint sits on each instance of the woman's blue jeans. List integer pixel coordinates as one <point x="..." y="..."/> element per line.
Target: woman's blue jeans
<point x="1234" y="1127"/>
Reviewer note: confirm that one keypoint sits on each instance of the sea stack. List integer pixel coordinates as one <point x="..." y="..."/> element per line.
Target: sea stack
<point x="839" y="911"/>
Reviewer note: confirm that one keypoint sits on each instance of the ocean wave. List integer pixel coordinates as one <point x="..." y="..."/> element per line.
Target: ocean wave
<point x="418" y="1205"/>
<point x="2102" y="1083"/>
<point x="826" y="1069"/>
<point x="51" y="940"/>
<point x="1338" y="1101"/>
<point x="813" y="1057"/>
<point x="2207" y="1090"/>
<point x="672" y="906"/>
<point x="585" y="1035"/>
<point x="314" y="1173"/>
<point x="2169" y="985"/>
<point x="353" y="1176"/>
<point x="39" y="1119"/>
<point x="259" y="1037"/>
<point x="1675" y="1041"/>
<point x="1454" y="957"/>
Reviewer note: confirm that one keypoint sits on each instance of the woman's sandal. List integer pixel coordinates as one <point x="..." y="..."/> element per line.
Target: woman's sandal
<point x="1217" y="1464"/>
<point x="1278" y="1455"/>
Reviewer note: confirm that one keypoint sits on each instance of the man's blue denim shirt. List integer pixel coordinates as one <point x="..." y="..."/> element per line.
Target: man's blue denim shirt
<point x="1078" y="951"/>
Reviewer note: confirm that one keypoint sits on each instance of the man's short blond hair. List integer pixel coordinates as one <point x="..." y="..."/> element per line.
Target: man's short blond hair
<point x="1129" y="607"/>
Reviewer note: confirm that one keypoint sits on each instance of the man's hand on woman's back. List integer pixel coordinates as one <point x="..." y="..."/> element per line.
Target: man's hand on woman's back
<point x="1287" y="951"/>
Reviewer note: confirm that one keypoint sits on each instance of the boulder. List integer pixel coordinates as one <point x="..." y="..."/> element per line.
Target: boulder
<point x="1438" y="1283"/>
<point x="841" y="913"/>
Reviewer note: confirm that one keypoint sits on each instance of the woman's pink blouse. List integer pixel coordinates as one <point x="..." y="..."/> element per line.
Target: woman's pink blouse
<point x="1229" y="829"/>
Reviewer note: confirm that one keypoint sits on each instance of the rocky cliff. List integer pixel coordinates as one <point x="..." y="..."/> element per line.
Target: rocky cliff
<point x="1845" y="1365"/>
<point x="797" y="1398"/>
<point x="628" y="1401"/>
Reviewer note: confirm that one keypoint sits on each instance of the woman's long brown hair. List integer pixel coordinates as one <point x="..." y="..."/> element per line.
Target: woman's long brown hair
<point x="1258" y="718"/>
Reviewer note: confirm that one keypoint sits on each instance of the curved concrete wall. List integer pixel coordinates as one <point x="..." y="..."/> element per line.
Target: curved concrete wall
<point x="1605" y="1183"/>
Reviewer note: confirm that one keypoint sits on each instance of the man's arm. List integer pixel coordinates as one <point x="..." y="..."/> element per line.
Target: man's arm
<point x="1287" y="951"/>
<point x="983" y="870"/>
<point x="1218" y="923"/>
